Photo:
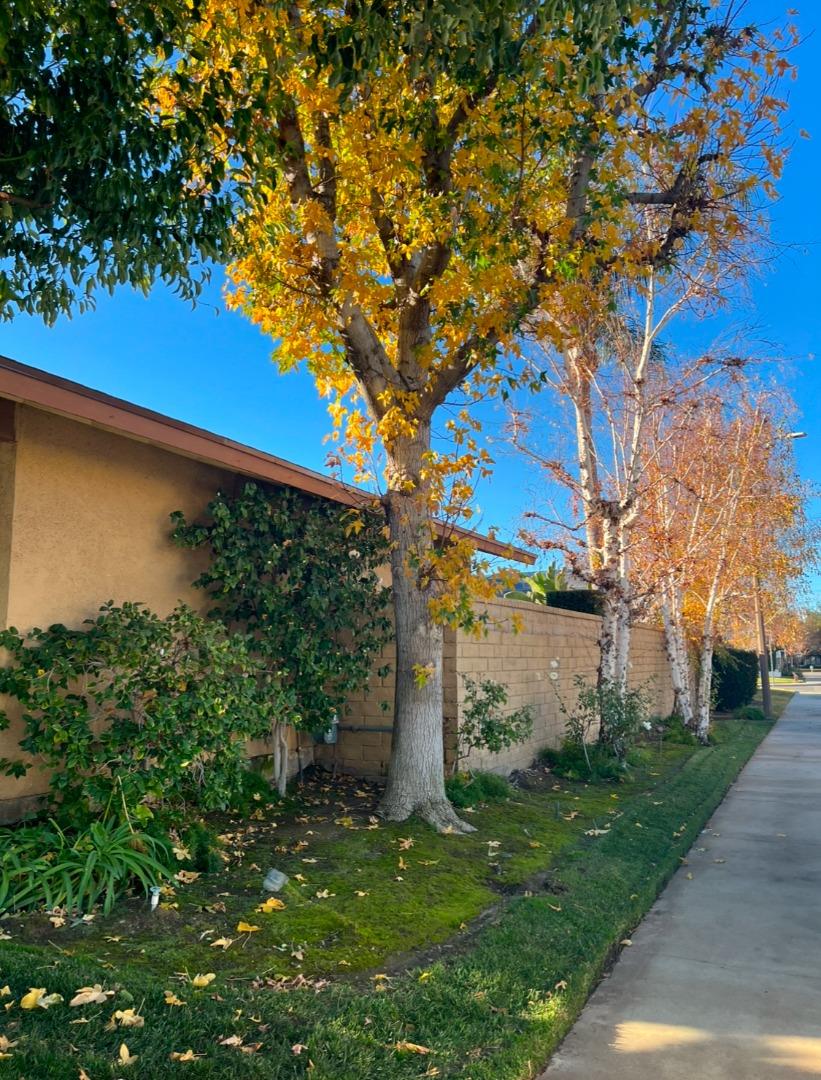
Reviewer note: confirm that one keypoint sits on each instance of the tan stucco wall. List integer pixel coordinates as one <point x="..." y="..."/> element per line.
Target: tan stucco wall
<point x="89" y="523"/>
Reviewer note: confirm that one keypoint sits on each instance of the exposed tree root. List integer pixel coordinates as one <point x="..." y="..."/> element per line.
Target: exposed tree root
<point x="436" y="812"/>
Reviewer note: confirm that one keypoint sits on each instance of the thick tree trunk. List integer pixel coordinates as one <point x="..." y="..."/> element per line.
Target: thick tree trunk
<point x="416" y="774"/>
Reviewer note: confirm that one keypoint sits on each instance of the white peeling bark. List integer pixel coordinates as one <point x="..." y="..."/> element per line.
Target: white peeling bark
<point x="622" y="643"/>
<point x="677" y="657"/>
<point x="705" y="685"/>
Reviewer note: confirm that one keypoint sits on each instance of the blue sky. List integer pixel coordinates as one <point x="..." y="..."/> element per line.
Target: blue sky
<point x="211" y="368"/>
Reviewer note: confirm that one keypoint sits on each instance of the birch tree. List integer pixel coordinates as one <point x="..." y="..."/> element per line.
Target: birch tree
<point x="723" y="511"/>
<point x="671" y="256"/>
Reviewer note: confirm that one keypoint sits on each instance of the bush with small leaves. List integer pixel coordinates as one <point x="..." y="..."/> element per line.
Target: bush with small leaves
<point x="156" y="710"/>
<point x="616" y="714"/>
<point x="484" y="724"/>
<point x="750" y="712"/>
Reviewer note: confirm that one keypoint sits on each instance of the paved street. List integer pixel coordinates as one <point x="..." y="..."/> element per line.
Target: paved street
<point x="723" y="981"/>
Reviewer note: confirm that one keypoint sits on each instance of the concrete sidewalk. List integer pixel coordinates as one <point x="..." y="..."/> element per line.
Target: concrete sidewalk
<point x="723" y="981"/>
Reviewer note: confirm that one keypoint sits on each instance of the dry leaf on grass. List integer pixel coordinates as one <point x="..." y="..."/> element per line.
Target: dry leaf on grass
<point x="405" y="1047"/>
<point x="125" y="1057"/>
<point x="271" y="904"/>
<point x="91" y="995"/>
<point x="127" y="1018"/>
<point x="186" y="1055"/>
<point x="186" y="877"/>
<point x="38" y="998"/>
<point x="222" y="943"/>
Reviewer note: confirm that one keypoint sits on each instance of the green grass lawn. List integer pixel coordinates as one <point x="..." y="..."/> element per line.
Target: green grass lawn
<point x="780" y="698"/>
<point x="399" y="953"/>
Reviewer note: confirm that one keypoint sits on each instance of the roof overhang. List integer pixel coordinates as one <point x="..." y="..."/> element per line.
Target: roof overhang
<point x="31" y="386"/>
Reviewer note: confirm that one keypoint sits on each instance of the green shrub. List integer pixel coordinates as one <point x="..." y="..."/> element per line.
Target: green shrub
<point x="484" y="725"/>
<point x="674" y="730"/>
<point x="297" y="577"/>
<point x="617" y="714"/>
<point x="203" y="847"/>
<point x="585" y="600"/>
<point x="155" y="711"/>
<point x="573" y="761"/>
<point x="735" y="677"/>
<point x="468" y="789"/>
<point x="43" y="866"/>
<point x="750" y="712"/>
<point x="593" y="763"/>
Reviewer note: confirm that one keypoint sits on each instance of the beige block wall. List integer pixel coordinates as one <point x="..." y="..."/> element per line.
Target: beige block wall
<point x="551" y="642"/>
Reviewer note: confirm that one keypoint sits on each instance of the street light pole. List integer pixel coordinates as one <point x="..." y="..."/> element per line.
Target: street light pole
<point x="763" y="654"/>
<point x="763" y="650"/>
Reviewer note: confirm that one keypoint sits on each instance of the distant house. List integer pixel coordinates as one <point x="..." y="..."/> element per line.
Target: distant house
<point x="87" y="483"/>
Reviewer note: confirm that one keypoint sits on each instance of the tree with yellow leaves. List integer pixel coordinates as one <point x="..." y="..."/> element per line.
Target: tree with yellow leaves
<point x="416" y="193"/>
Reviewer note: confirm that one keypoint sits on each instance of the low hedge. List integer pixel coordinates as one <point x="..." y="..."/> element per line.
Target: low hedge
<point x="576" y="600"/>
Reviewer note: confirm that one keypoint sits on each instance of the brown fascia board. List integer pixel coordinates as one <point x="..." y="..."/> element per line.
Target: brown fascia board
<point x="31" y="386"/>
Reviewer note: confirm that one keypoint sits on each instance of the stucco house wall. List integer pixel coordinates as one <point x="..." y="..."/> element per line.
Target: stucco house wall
<point x="85" y="520"/>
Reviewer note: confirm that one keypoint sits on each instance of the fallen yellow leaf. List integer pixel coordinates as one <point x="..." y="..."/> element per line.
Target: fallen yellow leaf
<point x="127" y="1018"/>
<point x="405" y="1047"/>
<point x="246" y="928"/>
<point x="172" y="999"/>
<point x="201" y="981"/>
<point x="91" y="995"/>
<point x="38" y="998"/>
<point x="271" y="904"/>
<point x="125" y="1057"/>
<point x="186" y="1055"/>
<point x="186" y="877"/>
<point x="222" y="943"/>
